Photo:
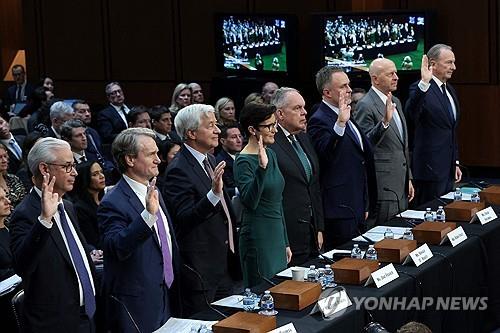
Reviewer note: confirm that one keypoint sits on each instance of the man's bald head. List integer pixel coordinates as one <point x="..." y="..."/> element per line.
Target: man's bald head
<point x="383" y="75"/>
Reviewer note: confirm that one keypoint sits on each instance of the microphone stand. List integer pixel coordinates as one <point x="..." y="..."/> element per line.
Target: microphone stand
<point x="198" y="275"/>
<point x="370" y="241"/>
<point x="127" y="311"/>
<point x="315" y="237"/>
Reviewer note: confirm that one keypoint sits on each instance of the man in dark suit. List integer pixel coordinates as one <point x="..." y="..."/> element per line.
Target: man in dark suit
<point x="201" y="210"/>
<point x="433" y="108"/>
<point x="21" y="90"/>
<point x="112" y="120"/>
<point x="346" y="160"/>
<point x="50" y="254"/>
<point x="14" y="146"/>
<point x="380" y="116"/>
<point x="161" y="119"/>
<point x="140" y="250"/>
<point x="231" y="142"/>
<point x="300" y="167"/>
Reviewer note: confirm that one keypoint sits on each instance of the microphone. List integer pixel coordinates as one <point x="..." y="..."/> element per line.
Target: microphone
<point x="315" y="237"/>
<point x="128" y="312"/>
<point x="397" y="199"/>
<point x="370" y="241"/>
<point x="198" y="275"/>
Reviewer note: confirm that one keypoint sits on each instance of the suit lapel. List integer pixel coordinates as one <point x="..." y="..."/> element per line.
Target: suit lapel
<point x="197" y="169"/>
<point x="439" y="95"/>
<point x="283" y="142"/>
<point x="380" y="107"/>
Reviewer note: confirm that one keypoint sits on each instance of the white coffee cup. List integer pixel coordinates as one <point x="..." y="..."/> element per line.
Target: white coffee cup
<point x="298" y="273"/>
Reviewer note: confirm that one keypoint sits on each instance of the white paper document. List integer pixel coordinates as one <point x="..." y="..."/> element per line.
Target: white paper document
<point x="331" y="253"/>
<point x="183" y="325"/>
<point x="233" y="301"/>
<point x="9" y="284"/>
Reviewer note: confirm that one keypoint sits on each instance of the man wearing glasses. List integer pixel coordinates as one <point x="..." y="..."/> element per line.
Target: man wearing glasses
<point x="50" y="253"/>
<point x="112" y="120"/>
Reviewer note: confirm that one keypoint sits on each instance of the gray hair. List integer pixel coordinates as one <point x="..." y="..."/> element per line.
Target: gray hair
<point x="67" y="128"/>
<point x="279" y="98"/>
<point x="220" y="104"/>
<point x="59" y="109"/>
<point x="44" y="151"/>
<point x="110" y="85"/>
<point x="189" y="118"/>
<point x="435" y="51"/>
<point x="174" y="107"/>
<point x="324" y="77"/>
<point x="193" y="85"/>
<point x="127" y="144"/>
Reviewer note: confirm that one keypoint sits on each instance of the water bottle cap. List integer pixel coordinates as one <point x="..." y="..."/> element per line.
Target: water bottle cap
<point x="356" y="245"/>
<point x="458" y="188"/>
<point x="312" y="267"/>
<point x="267" y="292"/>
<point x="247" y="290"/>
<point x="428" y="209"/>
<point x="327" y="266"/>
<point x="440" y="207"/>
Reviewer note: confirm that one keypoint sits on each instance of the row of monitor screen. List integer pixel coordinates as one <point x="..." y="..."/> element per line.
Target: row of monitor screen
<point x="268" y="43"/>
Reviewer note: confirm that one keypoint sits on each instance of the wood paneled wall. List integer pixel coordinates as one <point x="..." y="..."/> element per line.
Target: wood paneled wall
<point x="151" y="46"/>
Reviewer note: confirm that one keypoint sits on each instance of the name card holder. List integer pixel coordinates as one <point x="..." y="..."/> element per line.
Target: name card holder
<point x="383" y="276"/>
<point x="419" y="255"/>
<point x="484" y="216"/>
<point x="334" y="303"/>
<point x="456" y="236"/>
<point x="288" y="328"/>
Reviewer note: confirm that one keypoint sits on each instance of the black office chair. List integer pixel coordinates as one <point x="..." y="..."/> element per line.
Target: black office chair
<point x="17" y="308"/>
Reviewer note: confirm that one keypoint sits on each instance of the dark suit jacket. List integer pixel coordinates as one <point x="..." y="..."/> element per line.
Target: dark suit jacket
<point x="302" y="204"/>
<point x="200" y="227"/>
<point x="347" y="172"/>
<point x="133" y="264"/>
<point x="227" y="177"/>
<point x="51" y="296"/>
<point x="109" y="124"/>
<point x="14" y="161"/>
<point x="392" y="160"/>
<point x="10" y="96"/>
<point x="435" y="145"/>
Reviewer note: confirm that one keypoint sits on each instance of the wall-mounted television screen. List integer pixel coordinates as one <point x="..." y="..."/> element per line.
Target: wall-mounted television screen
<point x="253" y="42"/>
<point x="354" y="40"/>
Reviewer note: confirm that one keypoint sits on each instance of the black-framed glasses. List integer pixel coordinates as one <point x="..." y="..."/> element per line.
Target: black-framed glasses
<point x="116" y="92"/>
<point x="269" y="127"/>
<point x="68" y="167"/>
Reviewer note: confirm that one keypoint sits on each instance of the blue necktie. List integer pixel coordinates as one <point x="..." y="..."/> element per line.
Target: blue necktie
<point x="15" y="146"/>
<point x="83" y="274"/>
<point x="447" y="102"/>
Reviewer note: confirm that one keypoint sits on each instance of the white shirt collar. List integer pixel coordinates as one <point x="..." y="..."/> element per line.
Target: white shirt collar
<point x="380" y="94"/>
<point x="119" y="108"/>
<point x="160" y="136"/>
<point x="139" y="189"/>
<point x="78" y="156"/>
<point x="438" y="81"/>
<point x="333" y="107"/>
<point x="200" y="157"/>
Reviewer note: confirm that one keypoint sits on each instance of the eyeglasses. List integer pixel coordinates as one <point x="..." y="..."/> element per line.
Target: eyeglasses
<point x="269" y="127"/>
<point x="116" y="92"/>
<point x="68" y="167"/>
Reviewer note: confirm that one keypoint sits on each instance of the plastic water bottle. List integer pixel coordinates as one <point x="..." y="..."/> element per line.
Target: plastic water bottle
<point x="267" y="304"/>
<point x="428" y="217"/>
<point x="371" y="253"/>
<point x="356" y="252"/>
<point x="440" y="214"/>
<point x="388" y="233"/>
<point x="250" y="300"/>
<point x="329" y="277"/>
<point x="408" y="235"/>
<point x="312" y="274"/>
<point x="458" y="194"/>
<point x="475" y="196"/>
<point x="321" y="276"/>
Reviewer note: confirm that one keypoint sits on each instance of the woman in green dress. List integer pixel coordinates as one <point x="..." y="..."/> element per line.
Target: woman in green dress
<point x="264" y="248"/>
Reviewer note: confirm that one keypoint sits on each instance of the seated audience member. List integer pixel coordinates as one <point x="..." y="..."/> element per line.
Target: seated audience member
<point x="225" y="111"/>
<point x="24" y="172"/>
<point x="253" y="97"/>
<point x="6" y="269"/>
<point x="139" y="117"/>
<point x="112" y="120"/>
<point x="168" y="149"/>
<point x="140" y="250"/>
<point x="180" y="98"/>
<point x="231" y="141"/>
<point x="13" y="145"/>
<point x="196" y="93"/>
<point x="74" y="132"/>
<point x="162" y="123"/>
<point x="21" y="90"/>
<point x="264" y="248"/>
<point x="10" y="182"/>
<point x="87" y="193"/>
<point x="59" y="113"/>
<point x="201" y="210"/>
<point x="268" y="90"/>
<point x="37" y="99"/>
<point x="42" y="114"/>
<point x="50" y="254"/>
<point x="47" y="83"/>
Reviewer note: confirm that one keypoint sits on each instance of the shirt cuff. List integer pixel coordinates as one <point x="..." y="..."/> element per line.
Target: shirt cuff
<point x="423" y="86"/>
<point x="339" y="129"/>
<point x="149" y="218"/>
<point x="385" y="126"/>
<point x="46" y="224"/>
<point x="213" y="198"/>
